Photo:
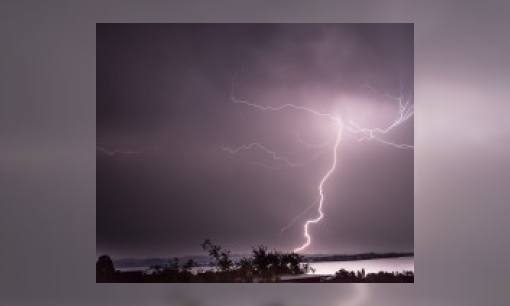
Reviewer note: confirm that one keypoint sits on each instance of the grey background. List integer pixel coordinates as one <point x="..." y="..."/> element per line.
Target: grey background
<point x="47" y="155"/>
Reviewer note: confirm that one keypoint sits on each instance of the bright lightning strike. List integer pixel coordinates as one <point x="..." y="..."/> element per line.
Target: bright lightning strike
<point x="321" y="191"/>
<point x="405" y="111"/>
<point x="282" y="160"/>
<point x="273" y="154"/>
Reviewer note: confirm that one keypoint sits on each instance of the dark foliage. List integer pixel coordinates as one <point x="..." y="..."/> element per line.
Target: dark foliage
<point x="263" y="266"/>
<point x="344" y="276"/>
<point x="105" y="270"/>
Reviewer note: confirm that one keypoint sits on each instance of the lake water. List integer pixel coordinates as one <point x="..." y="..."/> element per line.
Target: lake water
<point x="331" y="267"/>
<point x="370" y="266"/>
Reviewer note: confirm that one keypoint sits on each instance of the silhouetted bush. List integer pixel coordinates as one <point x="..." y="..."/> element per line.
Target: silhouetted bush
<point x="343" y="276"/>
<point x="105" y="270"/>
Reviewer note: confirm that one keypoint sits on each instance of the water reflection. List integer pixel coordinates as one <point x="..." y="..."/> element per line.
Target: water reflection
<point x="370" y="266"/>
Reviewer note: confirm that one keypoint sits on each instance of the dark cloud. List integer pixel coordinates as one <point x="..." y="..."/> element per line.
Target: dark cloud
<point x="168" y="86"/>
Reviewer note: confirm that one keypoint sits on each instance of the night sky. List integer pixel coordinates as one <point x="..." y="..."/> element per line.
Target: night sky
<point x="164" y="112"/>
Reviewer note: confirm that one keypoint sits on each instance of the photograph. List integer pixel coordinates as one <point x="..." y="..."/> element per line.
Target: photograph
<point x="255" y="153"/>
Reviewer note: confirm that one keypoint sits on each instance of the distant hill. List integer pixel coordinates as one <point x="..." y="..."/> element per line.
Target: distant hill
<point x="352" y="257"/>
<point x="205" y="261"/>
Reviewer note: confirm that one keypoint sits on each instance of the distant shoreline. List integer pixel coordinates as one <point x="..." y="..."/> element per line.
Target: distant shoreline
<point x="204" y="261"/>
<point x="355" y="257"/>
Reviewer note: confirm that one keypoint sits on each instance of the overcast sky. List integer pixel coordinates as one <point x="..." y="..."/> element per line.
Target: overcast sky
<point x="164" y="111"/>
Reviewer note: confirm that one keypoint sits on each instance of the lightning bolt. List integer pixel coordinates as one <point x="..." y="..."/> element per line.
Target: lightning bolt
<point x="287" y="163"/>
<point x="272" y="153"/>
<point x="405" y="111"/>
<point x="321" y="185"/>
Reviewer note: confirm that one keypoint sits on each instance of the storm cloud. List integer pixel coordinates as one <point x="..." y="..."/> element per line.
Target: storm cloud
<point x="164" y="111"/>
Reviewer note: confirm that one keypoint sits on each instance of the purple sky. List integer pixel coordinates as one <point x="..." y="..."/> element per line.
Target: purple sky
<point x="163" y="97"/>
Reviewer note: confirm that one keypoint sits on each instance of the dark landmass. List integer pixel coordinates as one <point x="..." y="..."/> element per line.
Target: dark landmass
<point x="180" y="276"/>
<point x="353" y="257"/>
<point x="205" y="261"/>
<point x="260" y="267"/>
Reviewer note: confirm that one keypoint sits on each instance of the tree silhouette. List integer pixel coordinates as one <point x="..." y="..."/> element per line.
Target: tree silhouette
<point x="222" y="256"/>
<point x="105" y="270"/>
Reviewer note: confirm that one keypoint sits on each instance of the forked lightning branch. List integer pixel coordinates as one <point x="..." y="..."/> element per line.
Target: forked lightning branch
<point x="344" y="126"/>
